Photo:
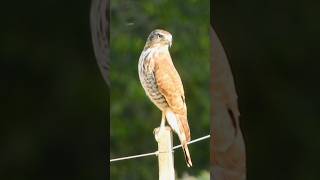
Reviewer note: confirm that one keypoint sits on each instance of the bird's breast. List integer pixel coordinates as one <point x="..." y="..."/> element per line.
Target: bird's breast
<point x="148" y="79"/>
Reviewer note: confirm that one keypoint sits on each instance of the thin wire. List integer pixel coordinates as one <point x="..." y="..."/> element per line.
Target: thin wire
<point x="135" y="156"/>
<point x="157" y="152"/>
<point x="193" y="141"/>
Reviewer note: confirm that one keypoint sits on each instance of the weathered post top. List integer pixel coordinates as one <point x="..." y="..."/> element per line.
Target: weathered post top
<point x="165" y="157"/>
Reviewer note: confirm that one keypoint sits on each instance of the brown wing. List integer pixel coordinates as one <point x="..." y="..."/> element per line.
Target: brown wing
<point x="170" y="85"/>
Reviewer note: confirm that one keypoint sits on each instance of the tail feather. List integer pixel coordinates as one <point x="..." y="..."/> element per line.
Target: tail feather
<point x="185" y="126"/>
<point x="187" y="155"/>
<point x="184" y="136"/>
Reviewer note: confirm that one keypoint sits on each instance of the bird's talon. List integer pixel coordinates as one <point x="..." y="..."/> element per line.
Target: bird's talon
<point x="158" y="132"/>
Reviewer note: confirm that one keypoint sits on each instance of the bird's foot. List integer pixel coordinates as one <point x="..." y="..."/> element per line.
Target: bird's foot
<point x="158" y="132"/>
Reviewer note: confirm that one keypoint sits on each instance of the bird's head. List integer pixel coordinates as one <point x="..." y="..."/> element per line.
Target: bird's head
<point x="159" y="38"/>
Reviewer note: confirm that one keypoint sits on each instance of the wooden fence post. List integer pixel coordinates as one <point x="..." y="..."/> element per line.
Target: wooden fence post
<point x="165" y="157"/>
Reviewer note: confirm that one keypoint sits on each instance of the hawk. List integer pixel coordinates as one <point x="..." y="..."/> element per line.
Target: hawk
<point x="163" y="86"/>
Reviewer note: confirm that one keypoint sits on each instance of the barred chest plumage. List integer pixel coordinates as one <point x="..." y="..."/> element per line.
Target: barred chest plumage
<point x="147" y="78"/>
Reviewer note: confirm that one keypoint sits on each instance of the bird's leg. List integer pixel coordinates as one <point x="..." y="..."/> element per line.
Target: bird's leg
<point x="163" y="122"/>
<point x="158" y="131"/>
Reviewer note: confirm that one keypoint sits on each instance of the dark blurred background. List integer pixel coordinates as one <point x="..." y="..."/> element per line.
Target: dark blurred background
<point x="273" y="51"/>
<point x="54" y="100"/>
<point x="133" y="115"/>
<point x="53" y="97"/>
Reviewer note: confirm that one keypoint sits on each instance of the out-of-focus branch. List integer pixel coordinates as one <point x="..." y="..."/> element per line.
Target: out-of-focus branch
<point x="99" y="23"/>
<point x="228" y="158"/>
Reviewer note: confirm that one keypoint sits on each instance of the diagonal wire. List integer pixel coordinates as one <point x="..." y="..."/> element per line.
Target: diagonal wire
<point x="193" y="141"/>
<point x="157" y="152"/>
<point x="135" y="156"/>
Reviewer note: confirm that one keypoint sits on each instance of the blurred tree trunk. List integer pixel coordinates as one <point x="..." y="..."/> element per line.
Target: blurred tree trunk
<point x="228" y="158"/>
<point x="99" y="22"/>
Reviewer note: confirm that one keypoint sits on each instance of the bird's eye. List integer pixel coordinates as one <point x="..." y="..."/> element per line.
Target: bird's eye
<point x="160" y="35"/>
